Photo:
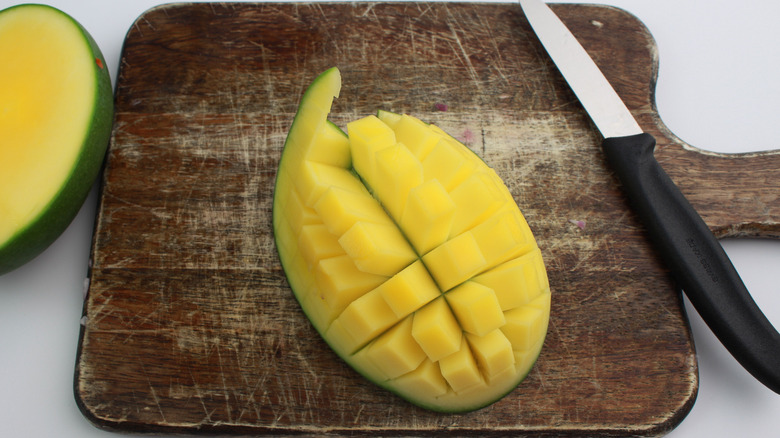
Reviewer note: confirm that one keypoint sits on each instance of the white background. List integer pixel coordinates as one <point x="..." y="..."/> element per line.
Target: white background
<point x="718" y="90"/>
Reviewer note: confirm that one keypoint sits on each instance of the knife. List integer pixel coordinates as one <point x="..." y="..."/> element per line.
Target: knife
<point x="694" y="256"/>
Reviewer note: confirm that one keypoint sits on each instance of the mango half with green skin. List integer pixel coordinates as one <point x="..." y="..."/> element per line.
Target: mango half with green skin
<point x="56" y="114"/>
<point x="409" y="255"/>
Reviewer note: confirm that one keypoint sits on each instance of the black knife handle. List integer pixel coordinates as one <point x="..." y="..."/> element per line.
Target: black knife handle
<point x="696" y="259"/>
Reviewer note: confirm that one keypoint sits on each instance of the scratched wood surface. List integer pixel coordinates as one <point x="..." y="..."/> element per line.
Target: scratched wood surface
<point x="189" y="323"/>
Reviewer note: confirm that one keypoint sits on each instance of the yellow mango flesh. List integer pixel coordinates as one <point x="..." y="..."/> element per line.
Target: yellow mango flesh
<point x="56" y="118"/>
<point x="409" y="255"/>
<point x="46" y="104"/>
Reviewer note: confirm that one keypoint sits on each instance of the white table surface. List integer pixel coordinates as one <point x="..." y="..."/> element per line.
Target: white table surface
<point x="717" y="90"/>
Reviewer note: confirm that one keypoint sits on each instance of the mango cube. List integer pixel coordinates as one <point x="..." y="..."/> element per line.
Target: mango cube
<point x="425" y="381"/>
<point x="524" y="326"/>
<point x="436" y="330"/>
<point x="317" y="243"/>
<point x="398" y="172"/>
<point x="517" y="281"/>
<point x="455" y="261"/>
<point x="416" y="135"/>
<point x="409" y="290"/>
<point x="427" y="216"/>
<point x="502" y="237"/>
<point x="315" y="178"/>
<point x="446" y="163"/>
<point x="476" y="308"/>
<point x="377" y="248"/>
<point x="493" y="352"/>
<point x="363" y="320"/>
<point x="340" y="282"/>
<point x="460" y="369"/>
<point x="367" y="136"/>
<point x="395" y="352"/>
<point x="340" y="209"/>
<point x="330" y="146"/>
<point x="476" y="199"/>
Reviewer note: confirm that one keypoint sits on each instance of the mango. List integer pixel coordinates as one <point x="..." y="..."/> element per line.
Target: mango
<point x="409" y="255"/>
<point x="56" y="116"/>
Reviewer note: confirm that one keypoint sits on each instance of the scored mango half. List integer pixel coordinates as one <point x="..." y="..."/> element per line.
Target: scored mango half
<point x="409" y="255"/>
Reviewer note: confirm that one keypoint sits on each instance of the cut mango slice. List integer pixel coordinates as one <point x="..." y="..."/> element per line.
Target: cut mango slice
<point x="409" y="255"/>
<point x="56" y="118"/>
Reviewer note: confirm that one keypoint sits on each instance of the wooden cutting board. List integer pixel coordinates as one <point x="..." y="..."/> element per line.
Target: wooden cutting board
<point x="189" y="325"/>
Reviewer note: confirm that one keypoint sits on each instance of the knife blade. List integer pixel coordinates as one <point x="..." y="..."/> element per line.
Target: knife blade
<point x="692" y="253"/>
